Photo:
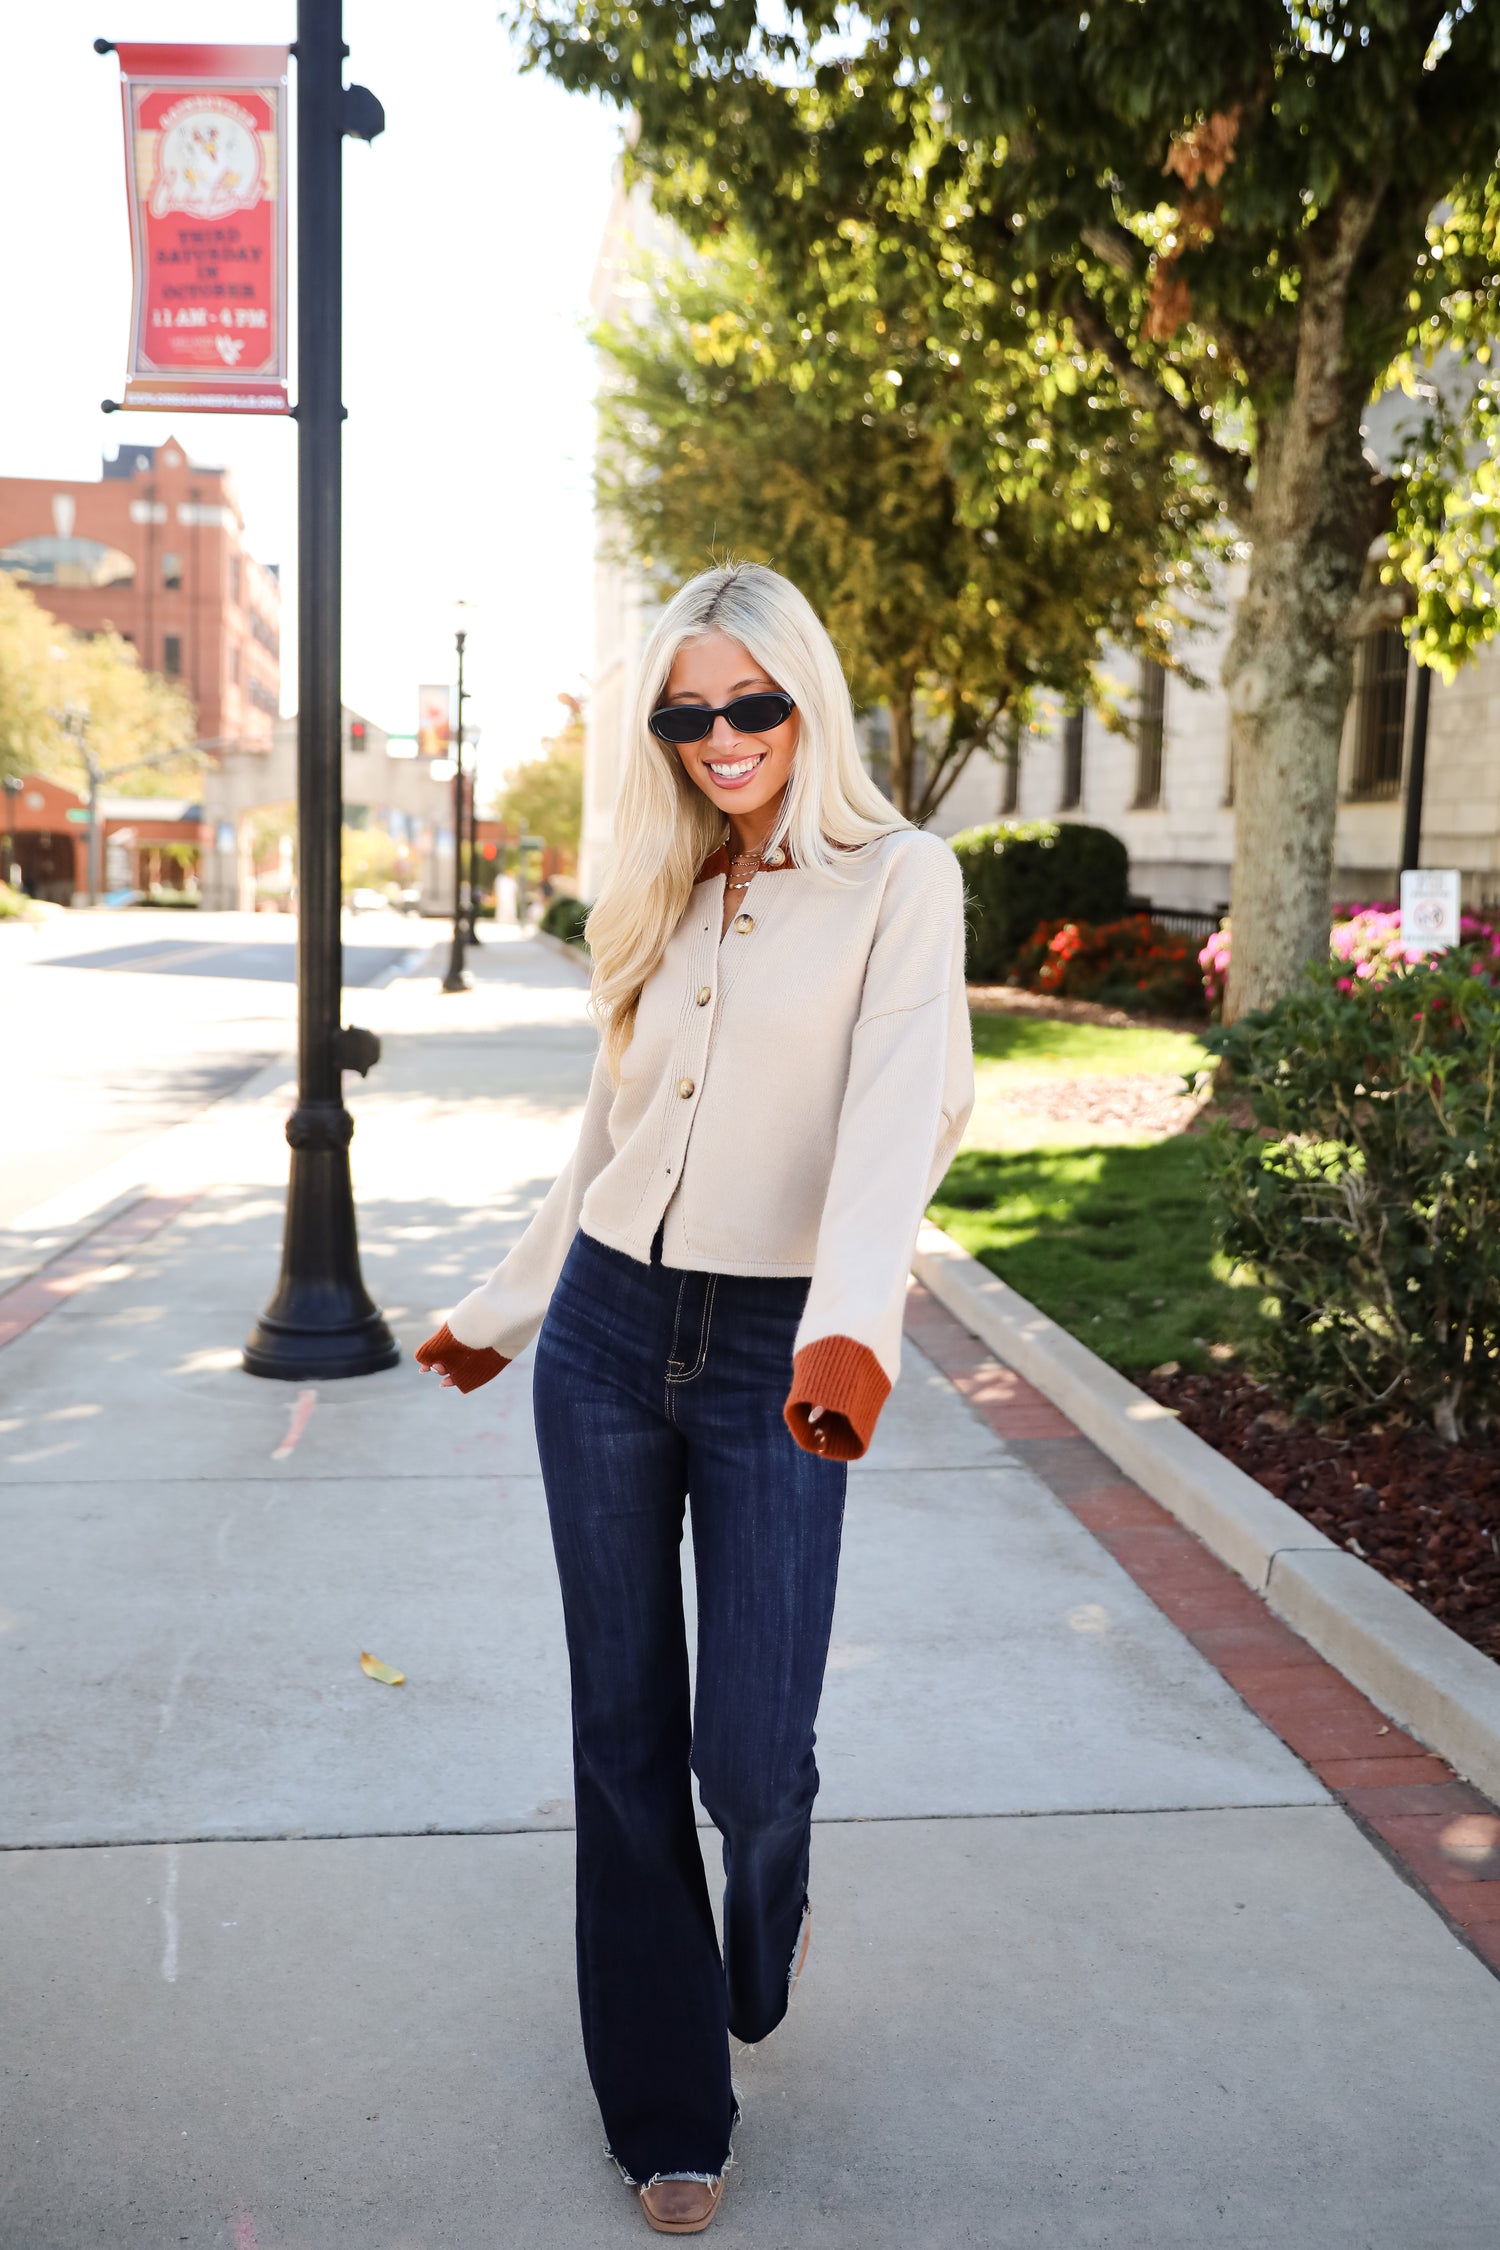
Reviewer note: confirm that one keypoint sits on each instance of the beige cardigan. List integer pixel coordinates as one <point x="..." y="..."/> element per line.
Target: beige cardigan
<point x="789" y="1100"/>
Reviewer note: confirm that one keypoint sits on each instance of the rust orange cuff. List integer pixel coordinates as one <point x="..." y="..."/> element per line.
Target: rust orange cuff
<point x="468" y="1364"/>
<point x="849" y="1383"/>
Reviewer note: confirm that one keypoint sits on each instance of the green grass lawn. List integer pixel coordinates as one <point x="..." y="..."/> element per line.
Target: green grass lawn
<point x="1037" y="1044"/>
<point x="1113" y="1238"/>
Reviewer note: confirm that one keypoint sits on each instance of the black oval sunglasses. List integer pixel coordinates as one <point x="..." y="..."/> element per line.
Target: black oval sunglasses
<point x="747" y="714"/>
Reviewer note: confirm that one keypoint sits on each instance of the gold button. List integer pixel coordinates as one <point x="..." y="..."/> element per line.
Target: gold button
<point x="744" y="923"/>
<point x="685" y="1087"/>
<point x="704" y="996"/>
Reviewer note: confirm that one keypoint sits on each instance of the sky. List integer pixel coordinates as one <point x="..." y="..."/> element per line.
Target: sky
<point x="471" y="229"/>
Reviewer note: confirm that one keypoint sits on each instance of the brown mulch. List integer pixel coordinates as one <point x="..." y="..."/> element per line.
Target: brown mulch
<point x="1425" y="1515"/>
<point x="1149" y="1102"/>
<point x="1015" y="1000"/>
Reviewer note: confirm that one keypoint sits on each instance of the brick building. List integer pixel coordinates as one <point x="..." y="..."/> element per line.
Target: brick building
<point x="148" y="842"/>
<point x="155" y="550"/>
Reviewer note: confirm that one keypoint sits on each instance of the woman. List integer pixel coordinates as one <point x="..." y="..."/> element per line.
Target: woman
<point x="718" y="1276"/>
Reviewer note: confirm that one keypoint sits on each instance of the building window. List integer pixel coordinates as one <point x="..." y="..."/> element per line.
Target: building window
<point x="1071" y="795"/>
<point x="235" y="593"/>
<point x="171" y="573"/>
<point x="46" y="561"/>
<point x="1150" y="735"/>
<point x="234" y="665"/>
<point x="1379" y="714"/>
<point x="263" y="700"/>
<point x="171" y="655"/>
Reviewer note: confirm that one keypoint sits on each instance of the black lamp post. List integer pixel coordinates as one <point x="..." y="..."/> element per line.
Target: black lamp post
<point x="321" y="1322"/>
<point x="474" y="840"/>
<point x="455" y="980"/>
<point x="1416" y="772"/>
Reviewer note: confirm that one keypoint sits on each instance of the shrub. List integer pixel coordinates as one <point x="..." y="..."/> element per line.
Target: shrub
<point x="1021" y="872"/>
<point x="1214" y="962"/>
<point x="1364" y="940"/>
<point x="1132" y="963"/>
<point x="565" y="918"/>
<point x="1368" y="1196"/>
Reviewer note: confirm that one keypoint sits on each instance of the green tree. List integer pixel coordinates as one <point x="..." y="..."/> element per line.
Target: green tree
<point x="544" y="797"/>
<point x="1255" y="213"/>
<point x="368" y="860"/>
<point x="30" y="737"/>
<point x="722" y="431"/>
<point x="60" y="691"/>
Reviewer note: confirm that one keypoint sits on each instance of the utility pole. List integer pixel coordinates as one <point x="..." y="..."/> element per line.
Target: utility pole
<point x="321" y="1322"/>
<point x="95" y="773"/>
<point x="73" y="719"/>
<point x="455" y="980"/>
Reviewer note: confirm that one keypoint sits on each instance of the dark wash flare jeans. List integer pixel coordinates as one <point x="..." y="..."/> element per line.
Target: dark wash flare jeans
<point x="656" y="1387"/>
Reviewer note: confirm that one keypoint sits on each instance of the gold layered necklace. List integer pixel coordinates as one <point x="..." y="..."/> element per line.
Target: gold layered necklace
<point x="745" y="866"/>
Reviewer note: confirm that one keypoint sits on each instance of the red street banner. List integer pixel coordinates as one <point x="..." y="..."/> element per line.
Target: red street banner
<point x="434" y="722"/>
<point x="205" y="171"/>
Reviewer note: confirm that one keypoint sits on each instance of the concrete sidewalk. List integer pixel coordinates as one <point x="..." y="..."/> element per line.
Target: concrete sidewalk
<point x="287" y="1955"/>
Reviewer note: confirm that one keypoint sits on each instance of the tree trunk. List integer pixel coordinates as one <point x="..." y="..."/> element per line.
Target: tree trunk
<point x="902" y="776"/>
<point x="1317" y="506"/>
<point x="1288" y="672"/>
<point x="1010" y="792"/>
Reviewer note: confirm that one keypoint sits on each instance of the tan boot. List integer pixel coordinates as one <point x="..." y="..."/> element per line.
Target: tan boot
<point x="681" y="2206"/>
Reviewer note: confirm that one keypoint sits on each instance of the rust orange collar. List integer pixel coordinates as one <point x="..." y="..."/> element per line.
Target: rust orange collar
<point x="717" y="863"/>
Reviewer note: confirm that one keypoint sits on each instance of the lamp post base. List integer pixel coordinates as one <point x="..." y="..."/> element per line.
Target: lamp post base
<point x="290" y="1350"/>
<point x="321" y="1323"/>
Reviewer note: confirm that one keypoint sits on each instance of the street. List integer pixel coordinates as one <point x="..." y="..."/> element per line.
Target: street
<point x="288" y="1956"/>
<point x="106" y="1052"/>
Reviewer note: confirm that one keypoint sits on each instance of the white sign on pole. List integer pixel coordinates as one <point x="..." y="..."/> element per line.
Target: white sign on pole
<point x="1429" y="908"/>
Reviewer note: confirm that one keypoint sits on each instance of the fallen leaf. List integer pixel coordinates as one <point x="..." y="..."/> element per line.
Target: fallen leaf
<point x="373" y="1669"/>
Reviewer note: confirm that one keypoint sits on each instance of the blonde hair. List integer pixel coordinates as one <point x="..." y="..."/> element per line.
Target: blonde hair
<point x="664" y="825"/>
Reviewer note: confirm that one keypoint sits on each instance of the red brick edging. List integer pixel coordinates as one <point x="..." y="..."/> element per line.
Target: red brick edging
<point x="90" y="1260"/>
<point x="1442" y="1834"/>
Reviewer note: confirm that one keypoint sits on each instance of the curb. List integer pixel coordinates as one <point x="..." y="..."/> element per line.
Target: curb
<point x="1417" y="1671"/>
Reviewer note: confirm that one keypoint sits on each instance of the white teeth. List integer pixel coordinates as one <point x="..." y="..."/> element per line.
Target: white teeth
<point x="732" y="772"/>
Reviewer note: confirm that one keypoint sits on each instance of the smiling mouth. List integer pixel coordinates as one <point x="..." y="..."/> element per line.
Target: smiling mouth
<point x="733" y="773"/>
